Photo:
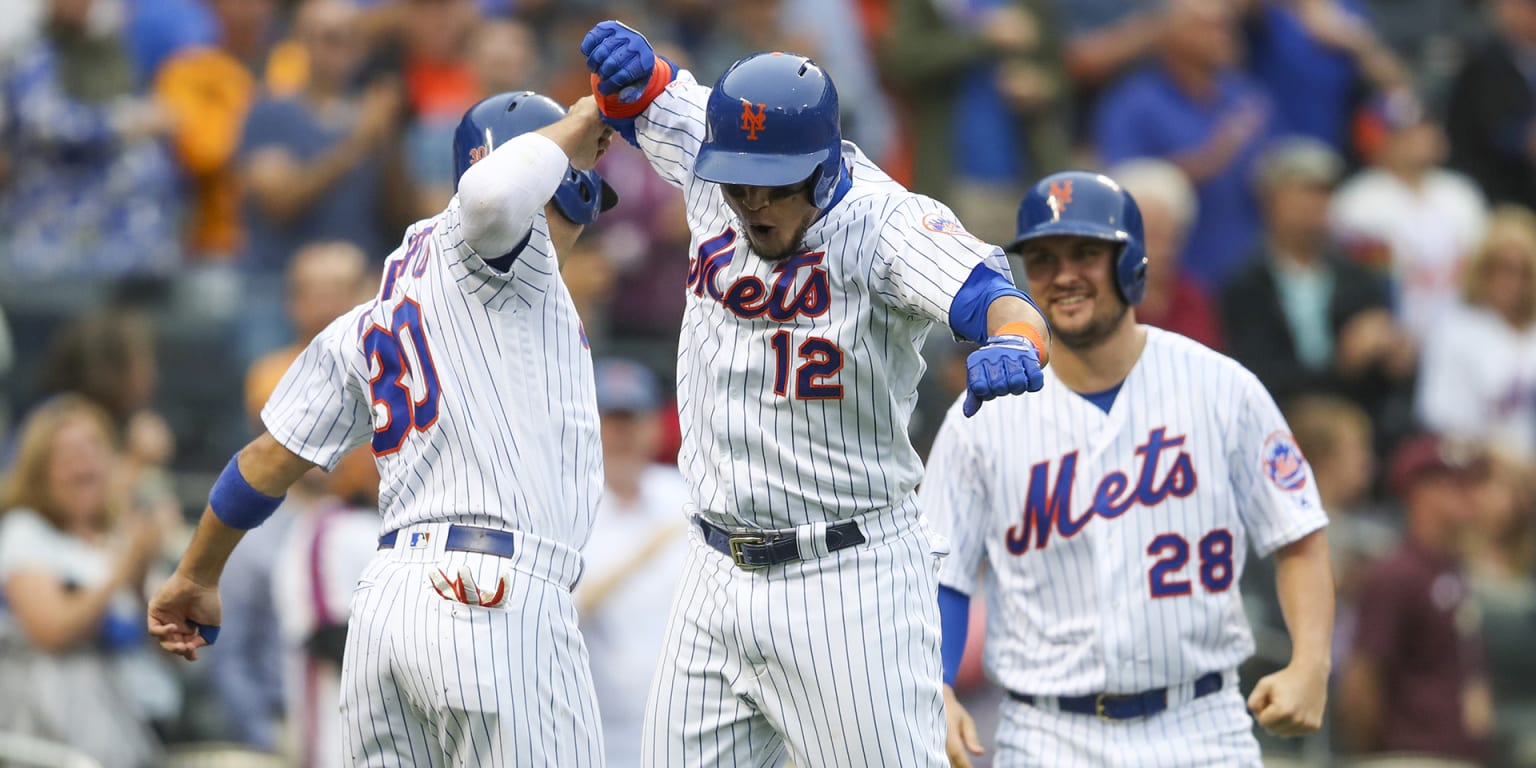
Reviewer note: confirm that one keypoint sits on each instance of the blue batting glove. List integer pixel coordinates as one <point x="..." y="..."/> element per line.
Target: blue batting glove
<point x="1006" y="365"/>
<point x="621" y="58"/>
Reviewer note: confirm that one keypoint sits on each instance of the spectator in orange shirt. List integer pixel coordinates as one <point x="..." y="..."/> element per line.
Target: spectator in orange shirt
<point x="209" y="90"/>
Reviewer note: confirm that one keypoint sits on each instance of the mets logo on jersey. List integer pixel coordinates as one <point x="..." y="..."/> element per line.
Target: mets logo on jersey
<point x="944" y="225"/>
<point x="1283" y="462"/>
<point x="1060" y="197"/>
<point x="752" y="122"/>
<point x="1049" y="507"/>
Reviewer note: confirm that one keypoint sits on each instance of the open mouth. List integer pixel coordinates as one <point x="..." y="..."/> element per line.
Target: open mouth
<point x="760" y="230"/>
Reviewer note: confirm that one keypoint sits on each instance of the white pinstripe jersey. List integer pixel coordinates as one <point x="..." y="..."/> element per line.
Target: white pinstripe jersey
<point x="796" y="379"/>
<point x="473" y="385"/>
<point x="1114" y="542"/>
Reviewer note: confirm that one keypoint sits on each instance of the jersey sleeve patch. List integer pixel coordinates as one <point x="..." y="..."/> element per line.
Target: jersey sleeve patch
<point x="945" y="224"/>
<point x="1284" y="464"/>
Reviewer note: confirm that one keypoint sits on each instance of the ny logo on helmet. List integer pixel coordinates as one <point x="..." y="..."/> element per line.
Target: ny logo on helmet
<point x="752" y="122"/>
<point x="1061" y="196"/>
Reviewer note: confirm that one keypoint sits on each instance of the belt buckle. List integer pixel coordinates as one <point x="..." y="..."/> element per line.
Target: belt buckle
<point x="737" y="541"/>
<point x="1098" y="707"/>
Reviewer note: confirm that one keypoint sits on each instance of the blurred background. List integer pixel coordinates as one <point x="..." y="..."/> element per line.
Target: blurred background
<point x="1338" y="193"/>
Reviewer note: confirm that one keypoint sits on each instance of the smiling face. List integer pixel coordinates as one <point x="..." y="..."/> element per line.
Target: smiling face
<point x="78" y="466"/>
<point x="775" y="218"/>
<point x="1072" y="279"/>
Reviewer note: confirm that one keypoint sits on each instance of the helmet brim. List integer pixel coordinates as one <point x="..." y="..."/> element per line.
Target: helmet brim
<point x="1070" y="229"/>
<point x="728" y="167"/>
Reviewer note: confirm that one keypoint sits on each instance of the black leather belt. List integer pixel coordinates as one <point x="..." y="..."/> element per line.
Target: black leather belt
<point x="751" y="550"/>
<point x="1127" y="706"/>
<point x="461" y="538"/>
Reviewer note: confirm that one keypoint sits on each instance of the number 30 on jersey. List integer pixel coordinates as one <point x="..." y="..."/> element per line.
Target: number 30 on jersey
<point x="402" y="379"/>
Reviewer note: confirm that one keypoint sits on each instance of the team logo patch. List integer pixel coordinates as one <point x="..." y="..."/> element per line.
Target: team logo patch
<point x="1283" y="462"/>
<point x="420" y="539"/>
<point x="944" y="225"/>
<point x="1060" y="197"/>
<point x="752" y="122"/>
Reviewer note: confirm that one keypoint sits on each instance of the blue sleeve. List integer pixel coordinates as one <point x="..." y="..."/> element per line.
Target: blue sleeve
<point x="954" y="623"/>
<point x="968" y="312"/>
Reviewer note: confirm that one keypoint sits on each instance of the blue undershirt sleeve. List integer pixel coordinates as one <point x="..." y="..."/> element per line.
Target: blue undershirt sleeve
<point x="955" y="623"/>
<point x="968" y="311"/>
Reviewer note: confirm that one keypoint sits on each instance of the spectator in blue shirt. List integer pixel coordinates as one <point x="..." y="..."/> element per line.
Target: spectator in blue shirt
<point x="313" y="164"/>
<point x="1102" y="39"/>
<point x="1316" y="58"/>
<point x="989" y="100"/>
<point x="89" y="191"/>
<point x="315" y="167"/>
<point x="1195" y="108"/>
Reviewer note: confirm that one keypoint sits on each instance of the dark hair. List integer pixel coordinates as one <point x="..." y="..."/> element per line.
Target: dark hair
<point x="92" y="356"/>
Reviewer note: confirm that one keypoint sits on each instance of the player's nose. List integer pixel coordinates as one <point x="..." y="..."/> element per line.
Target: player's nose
<point x="755" y="199"/>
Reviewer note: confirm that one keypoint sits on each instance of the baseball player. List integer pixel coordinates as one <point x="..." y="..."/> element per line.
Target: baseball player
<point x="469" y="376"/>
<point x="806" y="619"/>
<point x="1113" y="518"/>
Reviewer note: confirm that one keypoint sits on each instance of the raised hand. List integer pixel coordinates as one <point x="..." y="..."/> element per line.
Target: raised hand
<point x="621" y="58"/>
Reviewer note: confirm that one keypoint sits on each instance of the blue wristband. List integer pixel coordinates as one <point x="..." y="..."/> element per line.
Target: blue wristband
<point x="236" y="503"/>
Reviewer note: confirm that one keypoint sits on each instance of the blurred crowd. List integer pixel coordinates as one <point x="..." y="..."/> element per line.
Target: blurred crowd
<point x="1337" y="193"/>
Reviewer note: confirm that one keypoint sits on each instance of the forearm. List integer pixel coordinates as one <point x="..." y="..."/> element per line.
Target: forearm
<point x="267" y="468"/>
<point x="1096" y="56"/>
<point x="500" y="195"/>
<point x="286" y="195"/>
<point x="1304" y="583"/>
<point x="73" y="619"/>
<point x="1377" y="63"/>
<point x="212" y="543"/>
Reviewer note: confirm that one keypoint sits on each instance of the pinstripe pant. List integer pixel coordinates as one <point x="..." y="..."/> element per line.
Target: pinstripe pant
<point x="833" y="660"/>
<point x="428" y="681"/>
<point x="1214" y="731"/>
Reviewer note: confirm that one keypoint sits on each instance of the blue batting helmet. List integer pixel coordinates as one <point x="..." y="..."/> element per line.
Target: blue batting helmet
<point x="771" y="121"/>
<point x="1088" y="205"/>
<point x="486" y="125"/>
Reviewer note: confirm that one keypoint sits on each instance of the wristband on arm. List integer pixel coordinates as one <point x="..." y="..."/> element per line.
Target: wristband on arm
<point x="236" y="503"/>
<point x="1028" y="331"/>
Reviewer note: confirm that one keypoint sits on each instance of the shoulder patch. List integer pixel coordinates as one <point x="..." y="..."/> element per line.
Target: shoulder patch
<point x="944" y="224"/>
<point x="1283" y="462"/>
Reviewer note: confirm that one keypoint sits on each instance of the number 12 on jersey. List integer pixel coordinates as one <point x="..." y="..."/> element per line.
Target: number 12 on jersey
<point x="403" y="381"/>
<point x="821" y="360"/>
